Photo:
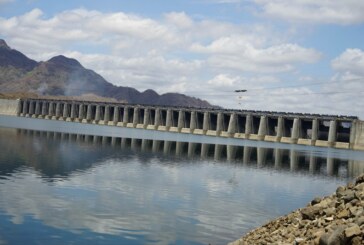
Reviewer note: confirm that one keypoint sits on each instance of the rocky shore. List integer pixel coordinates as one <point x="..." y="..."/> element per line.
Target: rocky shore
<point x="333" y="220"/>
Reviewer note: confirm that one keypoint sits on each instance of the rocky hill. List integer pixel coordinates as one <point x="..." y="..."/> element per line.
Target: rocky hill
<point x="62" y="76"/>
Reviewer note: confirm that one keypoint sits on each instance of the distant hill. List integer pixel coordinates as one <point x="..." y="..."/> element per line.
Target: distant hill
<point x="62" y="76"/>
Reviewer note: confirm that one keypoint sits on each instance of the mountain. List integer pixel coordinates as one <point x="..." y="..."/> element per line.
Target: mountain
<point x="62" y="76"/>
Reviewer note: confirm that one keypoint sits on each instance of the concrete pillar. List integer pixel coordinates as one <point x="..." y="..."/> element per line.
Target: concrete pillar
<point x="51" y="109"/>
<point x="277" y="158"/>
<point x="280" y="127"/>
<point x="104" y="140"/>
<point x="37" y="108"/>
<point x="193" y="122"/>
<point x="219" y="123"/>
<point x="169" y="119"/>
<point x="262" y="131"/>
<point x="314" y="132"/>
<point x="81" y="112"/>
<point x="98" y="113"/>
<point x="44" y="109"/>
<point x="116" y="115"/>
<point x="157" y="119"/>
<point x="146" y="119"/>
<point x="295" y="130"/>
<point x="89" y="112"/>
<point x="123" y="143"/>
<point x="248" y="125"/>
<point x="330" y="166"/>
<point x="107" y="114"/>
<point x="25" y="107"/>
<point x="206" y="121"/>
<point x="136" y="118"/>
<point x="332" y="133"/>
<point x="181" y="120"/>
<point x="58" y="109"/>
<point x="65" y="111"/>
<point x="126" y="115"/>
<point x="232" y="124"/>
<point x="31" y="108"/>
<point x="73" y="111"/>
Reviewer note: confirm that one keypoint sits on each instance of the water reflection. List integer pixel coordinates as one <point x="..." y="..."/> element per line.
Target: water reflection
<point x="72" y="188"/>
<point x="57" y="154"/>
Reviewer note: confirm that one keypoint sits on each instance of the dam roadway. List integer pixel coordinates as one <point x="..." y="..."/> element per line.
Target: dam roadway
<point x="344" y="132"/>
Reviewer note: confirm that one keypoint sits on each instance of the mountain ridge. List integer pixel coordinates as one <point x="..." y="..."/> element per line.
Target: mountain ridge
<point x="63" y="76"/>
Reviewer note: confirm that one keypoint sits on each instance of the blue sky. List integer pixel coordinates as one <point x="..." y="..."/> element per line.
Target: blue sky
<point x="291" y="55"/>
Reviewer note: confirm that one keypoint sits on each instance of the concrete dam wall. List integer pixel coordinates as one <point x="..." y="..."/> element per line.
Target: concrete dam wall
<point x="306" y="129"/>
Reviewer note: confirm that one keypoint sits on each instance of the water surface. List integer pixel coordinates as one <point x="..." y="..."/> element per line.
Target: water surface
<point x="61" y="188"/>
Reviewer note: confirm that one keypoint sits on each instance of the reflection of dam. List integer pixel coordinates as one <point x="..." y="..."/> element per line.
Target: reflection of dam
<point x="294" y="128"/>
<point x="277" y="159"/>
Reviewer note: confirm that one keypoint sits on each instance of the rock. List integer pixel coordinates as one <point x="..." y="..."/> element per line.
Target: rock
<point x="316" y="200"/>
<point x="343" y="214"/>
<point x="359" y="180"/>
<point x="357" y="241"/>
<point x="339" y="191"/>
<point x="337" y="237"/>
<point x="360" y="220"/>
<point x="310" y="212"/>
<point x="348" y="196"/>
<point x="352" y="231"/>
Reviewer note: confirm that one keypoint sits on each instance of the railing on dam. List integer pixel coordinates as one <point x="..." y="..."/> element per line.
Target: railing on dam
<point x="306" y="129"/>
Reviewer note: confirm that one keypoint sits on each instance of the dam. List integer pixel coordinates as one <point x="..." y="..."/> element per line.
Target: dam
<point x="345" y="132"/>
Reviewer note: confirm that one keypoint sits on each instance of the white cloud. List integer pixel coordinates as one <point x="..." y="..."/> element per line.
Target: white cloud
<point x="351" y="60"/>
<point x="315" y="11"/>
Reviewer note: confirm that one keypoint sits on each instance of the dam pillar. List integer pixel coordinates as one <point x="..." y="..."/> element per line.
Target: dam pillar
<point x="146" y="119"/>
<point x="65" y="111"/>
<point x="44" y="109"/>
<point x="97" y="113"/>
<point x="51" y="110"/>
<point x="181" y="120"/>
<point x="295" y="130"/>
<point x="168" y="119"/>
<point x="31" y="108"/>
<point x="193" y="121"/>
<point x="280" y="126"/>
<point x="206" y="122"/>
<point x="219" y="123"/>
<point x="314" y="131"/>
<point x="37" y="108"/>
<point x="116" y="115"/>
<point x="135" y="116"/>
<point x="73" y="111"/>
<point x="25" y="108"/>
<point x="157" y="119"/>
<point x="18" y="108"/>
<point x="126" y="116"/>
<point x="277" y="158"/>
<point x="262" y="131"/>
<point x="232" y="125"/>
<point x="89" y="113"/>
<point x="248" y="125"/>
<point x="107" y="114"/>
<point x="58" y="110"/>
<point x="81" y="112"/>
<point x="332" y="133"/>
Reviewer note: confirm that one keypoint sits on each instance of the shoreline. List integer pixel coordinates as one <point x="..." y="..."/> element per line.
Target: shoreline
<point x="332" y="220"/>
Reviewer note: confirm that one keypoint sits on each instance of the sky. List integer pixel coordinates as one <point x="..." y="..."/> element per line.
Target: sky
<point x="290" y="55"/>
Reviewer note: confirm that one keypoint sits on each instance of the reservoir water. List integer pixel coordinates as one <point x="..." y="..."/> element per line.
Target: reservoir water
<point x="71" y="183"/>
